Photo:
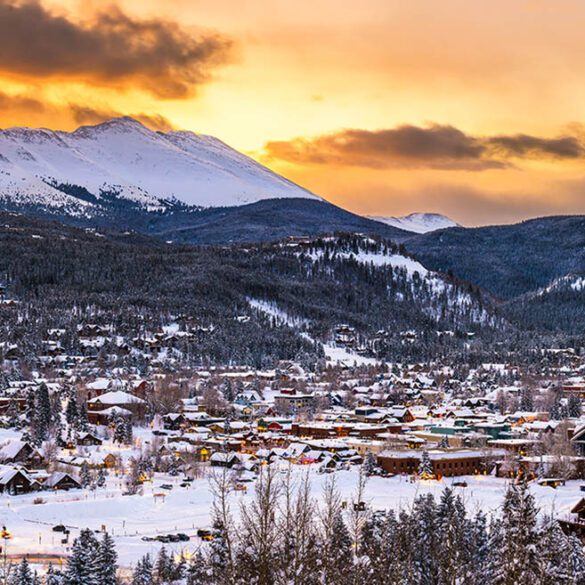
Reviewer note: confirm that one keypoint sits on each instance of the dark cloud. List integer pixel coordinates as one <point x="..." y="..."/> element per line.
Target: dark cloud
<point x="435" y="146"/>
<point x="525" y="146"/>
<point x="405" y="146"/>
<point x="20" y="103"/>
<point x="111" y="48"/>
<point x="89" y="115"/>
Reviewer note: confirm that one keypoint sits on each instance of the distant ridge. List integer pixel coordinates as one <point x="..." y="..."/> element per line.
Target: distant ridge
<point x="419" y="223"/>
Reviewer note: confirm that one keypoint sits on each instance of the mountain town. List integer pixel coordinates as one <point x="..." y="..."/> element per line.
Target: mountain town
<point x="292" y="293"/>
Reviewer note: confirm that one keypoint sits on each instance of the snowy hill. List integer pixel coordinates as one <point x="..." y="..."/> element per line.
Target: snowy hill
<point x="77" y="172"/>
<point x="419" y="223"/>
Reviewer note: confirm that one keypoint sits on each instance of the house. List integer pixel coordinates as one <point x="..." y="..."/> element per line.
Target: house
<point x="106" y="416"/>
<point x="575" y="523"/>
<point x="20" y="452"/>
<point x="224" y="460"/>
<point x="290" y="401"/>
<point x="15" y="481"/>
<point x="89" y="440"/>
<point x="59" y="480"/>
<point x="119" y="399"/>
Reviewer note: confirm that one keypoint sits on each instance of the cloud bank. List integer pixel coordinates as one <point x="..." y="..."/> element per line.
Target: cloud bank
<point x="436" y="147"/>
<point x="108" y="49"/>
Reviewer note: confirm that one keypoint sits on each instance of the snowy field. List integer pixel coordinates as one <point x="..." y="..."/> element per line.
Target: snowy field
<point x="129" y="518"/>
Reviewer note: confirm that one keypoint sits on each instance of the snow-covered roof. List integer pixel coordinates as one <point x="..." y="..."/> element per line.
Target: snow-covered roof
<point x="116" y="397"/>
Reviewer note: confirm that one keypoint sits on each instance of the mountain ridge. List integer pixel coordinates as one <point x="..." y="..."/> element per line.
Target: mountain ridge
<point x="419" y="223"/>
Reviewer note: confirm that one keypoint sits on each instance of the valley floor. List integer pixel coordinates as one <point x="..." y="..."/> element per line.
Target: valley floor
<point x="129" y="518"/>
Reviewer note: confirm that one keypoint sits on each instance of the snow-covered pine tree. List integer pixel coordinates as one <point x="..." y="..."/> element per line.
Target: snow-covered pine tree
<point x="164" y="567"/>
<point x="574" y="406"/>
<point x="370" y="463"/>
<point x="54" y="577"/>
<point x="519" y="559"/>
<point x="85" y="475"/>
<point x="106" y="561"/>
<point x="197" y="572"/>
<point x="451" y="523"/>
<point x="340" y="565"/>
<point x="143" y="572"/>
<point x="119" y="429"/>
<point x="556" y="563"/>
<point x="576" y="559"/>
<point x="13" y="414"/>
<point x="72" y="412"/>
<point x="23" y="575"/>
<point x="425" y="468"/>
<point x="425" y="546"/>
<point x="44" y="414"/>
<point x="477" y="546"/>
<point x="82" y="420"/>
<point x="101" y="478"/>
<point x="218" y="552"/>
<point x="128" y="431"/>
<point x="81" y="564"/>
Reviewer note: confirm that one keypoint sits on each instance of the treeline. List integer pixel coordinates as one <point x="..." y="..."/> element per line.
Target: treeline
<point x="284" y="537"/>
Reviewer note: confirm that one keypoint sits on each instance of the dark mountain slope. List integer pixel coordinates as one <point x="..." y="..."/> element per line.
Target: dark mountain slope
<point x="267" y="220"/>
<point x="507" y="260"/>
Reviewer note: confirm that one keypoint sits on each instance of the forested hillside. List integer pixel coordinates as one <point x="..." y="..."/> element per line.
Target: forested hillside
<point x="63" y="277"/>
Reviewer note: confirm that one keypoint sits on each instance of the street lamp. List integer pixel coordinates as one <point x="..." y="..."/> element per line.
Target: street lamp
<point x="6" y="536"/>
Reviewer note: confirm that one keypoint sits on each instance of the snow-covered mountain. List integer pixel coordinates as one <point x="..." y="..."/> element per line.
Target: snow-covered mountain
<point x="419" y="223"/>
<point x="75" y="172"/>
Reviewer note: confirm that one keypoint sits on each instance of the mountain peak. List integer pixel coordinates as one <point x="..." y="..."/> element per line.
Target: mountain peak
<point x="120" y="124"/>
<point x="125" y="157"/>
<point x="419" y="223"/>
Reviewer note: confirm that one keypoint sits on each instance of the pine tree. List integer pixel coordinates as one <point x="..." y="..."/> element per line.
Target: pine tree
<point x="451" y="522"/>
<point x="444" y="442"/>
<point x="197" y="571"/>
<point x="574" y="406"/>
<point x="23" y="575"/>
<point x="102" y="477"/>
<point x="576" y="559"/>
<point x="519" y="561"/>
<point x="81" y="564"/>
<point x="13" y="414"/>
<point x="370" y="463"/>
<point x="53" y="577"/>
<point x="85" y="475"/>
<point x="72" y="412"/>
<point x="120" y="430"/>
<point x="82" y="420"/>
<point x="164" y="567"/>
<point x="106" y="561"/>
<point x="425" y="553"/>
<point x="425" y="468"/>
<point x="340" y="553"/>
<point x="477" y="545"/>
<point x="143" y="572"/>
<point x="218" y="551"/>
<point x="526" y="399"/>
<point x="128" y="431"/>
<point x="556" y="562"/>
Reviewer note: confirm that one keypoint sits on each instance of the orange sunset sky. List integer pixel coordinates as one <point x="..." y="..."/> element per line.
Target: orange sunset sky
<point x="472" y="108"/>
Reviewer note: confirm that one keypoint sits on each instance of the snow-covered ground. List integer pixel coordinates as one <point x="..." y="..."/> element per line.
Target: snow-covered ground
<point x="129" y="518"/>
